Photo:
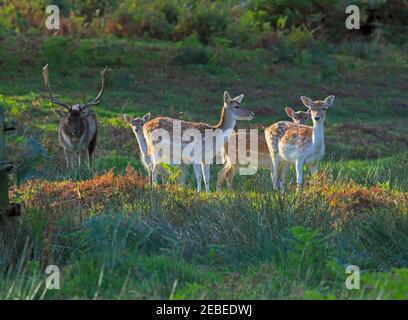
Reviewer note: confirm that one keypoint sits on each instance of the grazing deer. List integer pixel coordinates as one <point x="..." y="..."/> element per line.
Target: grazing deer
<point x="230" y="113"/>
<point x="298" y="144"/>
<point x="262" y="152"/>
<point x="78" y="126"/>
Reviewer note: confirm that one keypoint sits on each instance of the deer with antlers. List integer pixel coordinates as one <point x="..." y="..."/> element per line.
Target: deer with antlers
<point x="298" y="144"/>
<point x="234" y="162"/>
<point x="78" y="128"/>
<point x="204" y="150"/>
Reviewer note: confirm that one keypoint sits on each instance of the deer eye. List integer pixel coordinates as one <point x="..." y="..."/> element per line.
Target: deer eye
<point x="236" y="107"/>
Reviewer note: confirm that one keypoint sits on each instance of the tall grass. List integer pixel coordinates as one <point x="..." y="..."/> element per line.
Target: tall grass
<point x="174" y="243"/>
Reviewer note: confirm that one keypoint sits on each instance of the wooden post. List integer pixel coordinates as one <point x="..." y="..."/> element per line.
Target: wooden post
<point x="4" y="197"/>
<point x="6" y="208"/>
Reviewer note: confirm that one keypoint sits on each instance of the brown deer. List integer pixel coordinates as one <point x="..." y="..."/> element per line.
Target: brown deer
<point x="298" y="144"/>
<point x="78" y="126"/>
<point x="204" y="150"/>
<point x="232" y="164"/>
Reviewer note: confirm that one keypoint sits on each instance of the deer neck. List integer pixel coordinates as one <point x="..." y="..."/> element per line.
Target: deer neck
<point x="318" y="135"/>
<point x="141" y="142"/>
<point x="227" y="122"/>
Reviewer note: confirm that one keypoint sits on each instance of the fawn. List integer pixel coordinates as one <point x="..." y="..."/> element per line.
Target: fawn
<point x="137" y="127"/>
<point x="262" y="152"/>
<point x="298" y="144"/>
<point x="169" y="148"/>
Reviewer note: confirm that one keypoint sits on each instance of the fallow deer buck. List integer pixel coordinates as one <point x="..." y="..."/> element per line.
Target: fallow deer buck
<point x="233" y="163"/>
<point x="137" y="127"/>
<point x="204" y="150"/>
<point x="78" y="128"/>
<point x="291" y="143"/>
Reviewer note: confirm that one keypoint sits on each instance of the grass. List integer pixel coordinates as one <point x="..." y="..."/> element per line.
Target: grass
<point x="113" y="236"/>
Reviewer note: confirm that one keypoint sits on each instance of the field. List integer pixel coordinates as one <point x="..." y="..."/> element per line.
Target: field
<point x="113" y="236"/>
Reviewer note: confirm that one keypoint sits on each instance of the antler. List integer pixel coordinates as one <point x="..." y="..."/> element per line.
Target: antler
<point x="105" y="77"/>
<point x="47" y="85"/>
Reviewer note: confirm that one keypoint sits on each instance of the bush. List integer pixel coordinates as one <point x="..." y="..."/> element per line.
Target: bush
<point x="101" y="53"/>
<point x="203" y="18"/>
<point x="58" y="51"/>
<point x="192" y="52"/>
<point x="238" y="21"/>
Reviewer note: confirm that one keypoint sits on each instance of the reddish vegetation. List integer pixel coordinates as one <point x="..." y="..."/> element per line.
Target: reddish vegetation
<point x="352" y="197"/>
<point x="348" y="200"/>
<point x="99" y="190"/>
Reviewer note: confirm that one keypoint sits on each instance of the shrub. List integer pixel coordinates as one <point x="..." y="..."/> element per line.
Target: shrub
<point x="97" y="53"/>
<point x="192" y="52"/>
<point x="204" y="18"/>
<point x="58" y="51"/>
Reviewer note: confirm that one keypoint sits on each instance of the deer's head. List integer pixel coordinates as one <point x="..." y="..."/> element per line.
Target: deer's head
<point x="75" y="114"/>
<point x="137" y="123"/>
<point x="300" y="117"/>
<point x="234" y="109"/>
<point x="318" y="108"/>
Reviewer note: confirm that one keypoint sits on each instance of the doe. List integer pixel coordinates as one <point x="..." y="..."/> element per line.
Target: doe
<point x="291" y="143"/>
<point x="230" y="113"/>
<point x="262" y="151"/>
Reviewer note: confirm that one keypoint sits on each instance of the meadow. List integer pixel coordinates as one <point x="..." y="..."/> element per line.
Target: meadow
<point x="114" y="236"/>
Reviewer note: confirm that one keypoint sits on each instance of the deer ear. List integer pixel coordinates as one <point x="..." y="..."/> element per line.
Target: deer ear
<point x="127" y="118"/>
<point x="239" y="98"/>
<point x="227" y="98"/>
<point x="290" y="112"/>
<point x="329" y="101"/>
<point x="307" y="101"/>
<point x="146" y="117"/>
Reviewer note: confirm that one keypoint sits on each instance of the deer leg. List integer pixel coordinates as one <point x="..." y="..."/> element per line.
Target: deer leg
<point x="206" y="171"/>
<point x="282" y="180"/>
<point x="222" y="176"/>
<point x="275" y="175"/>
<point x="164" y="174"/>
<point x="70" y="159"/>
<point x="183" y="173"/>
<point x="299" y="173"/>
<point x="84" y="158"/>
<point x="230" y="176"/>
<point x="314" y="168"/>
<point x="155" y="170"/>
<point x="199" y="175"/>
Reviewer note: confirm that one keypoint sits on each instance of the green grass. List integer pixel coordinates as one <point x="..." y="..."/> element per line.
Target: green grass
<point x="251" y="243"/>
